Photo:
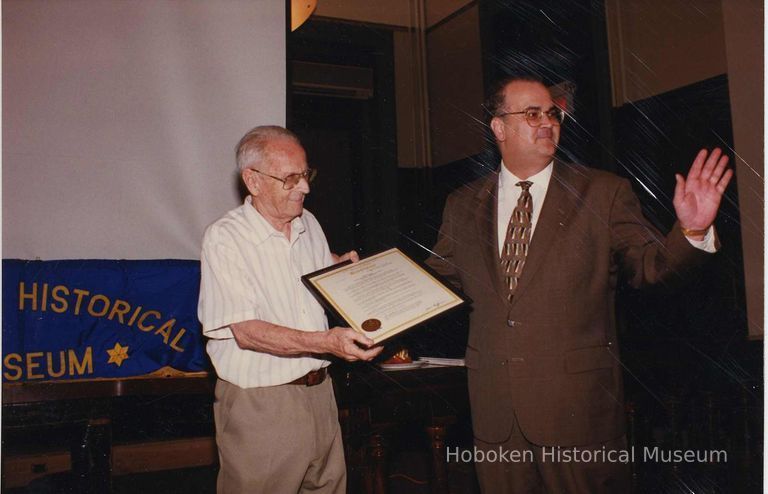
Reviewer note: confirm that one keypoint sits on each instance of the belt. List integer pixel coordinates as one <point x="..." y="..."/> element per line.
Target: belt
<point x="312" y="378"/>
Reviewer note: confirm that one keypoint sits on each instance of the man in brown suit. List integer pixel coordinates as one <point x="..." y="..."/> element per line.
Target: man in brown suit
<point x="543" y="364"/>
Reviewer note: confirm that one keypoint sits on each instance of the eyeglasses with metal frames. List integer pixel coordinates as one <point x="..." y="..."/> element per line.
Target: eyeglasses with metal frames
<point x="533" y="115"/>
<point x="292" y="180"/>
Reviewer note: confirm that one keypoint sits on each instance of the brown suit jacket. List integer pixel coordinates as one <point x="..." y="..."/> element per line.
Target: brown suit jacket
<point x="555" y="366"/>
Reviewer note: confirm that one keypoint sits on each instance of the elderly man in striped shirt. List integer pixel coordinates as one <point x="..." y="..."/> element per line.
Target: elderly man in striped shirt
<point x="277" y="426"/>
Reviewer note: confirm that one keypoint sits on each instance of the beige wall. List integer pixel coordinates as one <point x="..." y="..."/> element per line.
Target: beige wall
<point x="659" y="45"/>
<point x="455" y="88"/>
<point x="392" y="12"/>
<point x="411" y="101"/>
<point x="743" y="21"/>
<point x="420" y="56"/>
<point x="437" y="10"/>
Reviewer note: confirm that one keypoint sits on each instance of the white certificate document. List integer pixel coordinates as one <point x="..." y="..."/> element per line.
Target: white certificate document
<point x="382" y="295"/>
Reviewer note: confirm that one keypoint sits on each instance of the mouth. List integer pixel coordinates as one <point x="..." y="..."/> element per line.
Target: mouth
<point x="544" y="133"/>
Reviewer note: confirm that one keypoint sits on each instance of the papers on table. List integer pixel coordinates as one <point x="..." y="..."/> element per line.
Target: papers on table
<point x="442" y="362"/>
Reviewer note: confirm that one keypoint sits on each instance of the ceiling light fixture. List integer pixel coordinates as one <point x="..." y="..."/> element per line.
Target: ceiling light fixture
<point x="300" y="12"/>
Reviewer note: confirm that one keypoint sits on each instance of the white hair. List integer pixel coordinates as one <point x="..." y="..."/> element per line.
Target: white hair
<point x="252" y="148"/>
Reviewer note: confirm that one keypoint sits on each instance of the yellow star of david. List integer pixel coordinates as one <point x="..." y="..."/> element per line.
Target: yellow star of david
<point x="117" y="354"/>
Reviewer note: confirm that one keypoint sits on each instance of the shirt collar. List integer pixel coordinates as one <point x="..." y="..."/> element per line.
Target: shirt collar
<point x="262" y="229"/>
<point x="507" y="179"/>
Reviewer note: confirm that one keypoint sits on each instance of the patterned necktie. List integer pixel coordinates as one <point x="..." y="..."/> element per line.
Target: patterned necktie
<point x="518" y="239"/>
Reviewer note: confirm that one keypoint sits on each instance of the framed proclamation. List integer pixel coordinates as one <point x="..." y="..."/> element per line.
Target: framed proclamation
<point x="382" y="295"/>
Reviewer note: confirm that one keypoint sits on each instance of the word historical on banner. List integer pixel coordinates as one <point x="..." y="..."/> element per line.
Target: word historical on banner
<point x="98" y="318"/>
<point x="36" y="298"/>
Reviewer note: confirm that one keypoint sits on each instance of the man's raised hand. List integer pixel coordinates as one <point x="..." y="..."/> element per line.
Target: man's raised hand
<point x="697" y="197"/>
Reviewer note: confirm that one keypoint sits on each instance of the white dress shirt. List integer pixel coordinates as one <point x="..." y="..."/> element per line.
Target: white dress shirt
<point x="509" y="192"/>
<point x="251" y="271"/>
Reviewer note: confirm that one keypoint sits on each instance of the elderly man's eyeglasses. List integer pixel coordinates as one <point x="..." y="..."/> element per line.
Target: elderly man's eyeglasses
<point x="292" y="180"/>
<point x="533" y="115"/>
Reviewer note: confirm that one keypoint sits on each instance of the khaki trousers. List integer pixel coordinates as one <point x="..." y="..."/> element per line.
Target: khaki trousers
<point x="278" y="439"/>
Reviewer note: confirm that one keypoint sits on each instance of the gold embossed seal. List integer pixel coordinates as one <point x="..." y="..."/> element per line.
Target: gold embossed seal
<point x="371" y="325"/>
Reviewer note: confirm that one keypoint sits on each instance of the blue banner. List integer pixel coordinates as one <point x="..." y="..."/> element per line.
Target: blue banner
<point x="87" y="319"/>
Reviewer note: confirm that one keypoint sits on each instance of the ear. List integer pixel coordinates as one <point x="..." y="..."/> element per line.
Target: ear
<point x="497" y="126"/>
<point x="250" y="181"/>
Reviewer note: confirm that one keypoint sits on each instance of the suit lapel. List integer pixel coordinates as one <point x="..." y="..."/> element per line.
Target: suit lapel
<point x="565" y="190"/>
<point x="485" y="222"/>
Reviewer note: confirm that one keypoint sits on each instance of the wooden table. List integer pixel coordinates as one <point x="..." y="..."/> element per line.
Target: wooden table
<point x="36" y="408"/>
<point x="375" y="405"/>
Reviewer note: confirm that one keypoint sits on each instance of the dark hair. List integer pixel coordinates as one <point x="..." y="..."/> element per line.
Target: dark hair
<point x="496" y="92"/>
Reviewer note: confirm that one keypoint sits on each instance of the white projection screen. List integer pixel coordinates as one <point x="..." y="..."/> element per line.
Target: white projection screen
<point x="120" y="120"/>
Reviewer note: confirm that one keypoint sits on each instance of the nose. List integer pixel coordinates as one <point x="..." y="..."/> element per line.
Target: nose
<point x="547" y="121"/>
<point x="303" y="185"/>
